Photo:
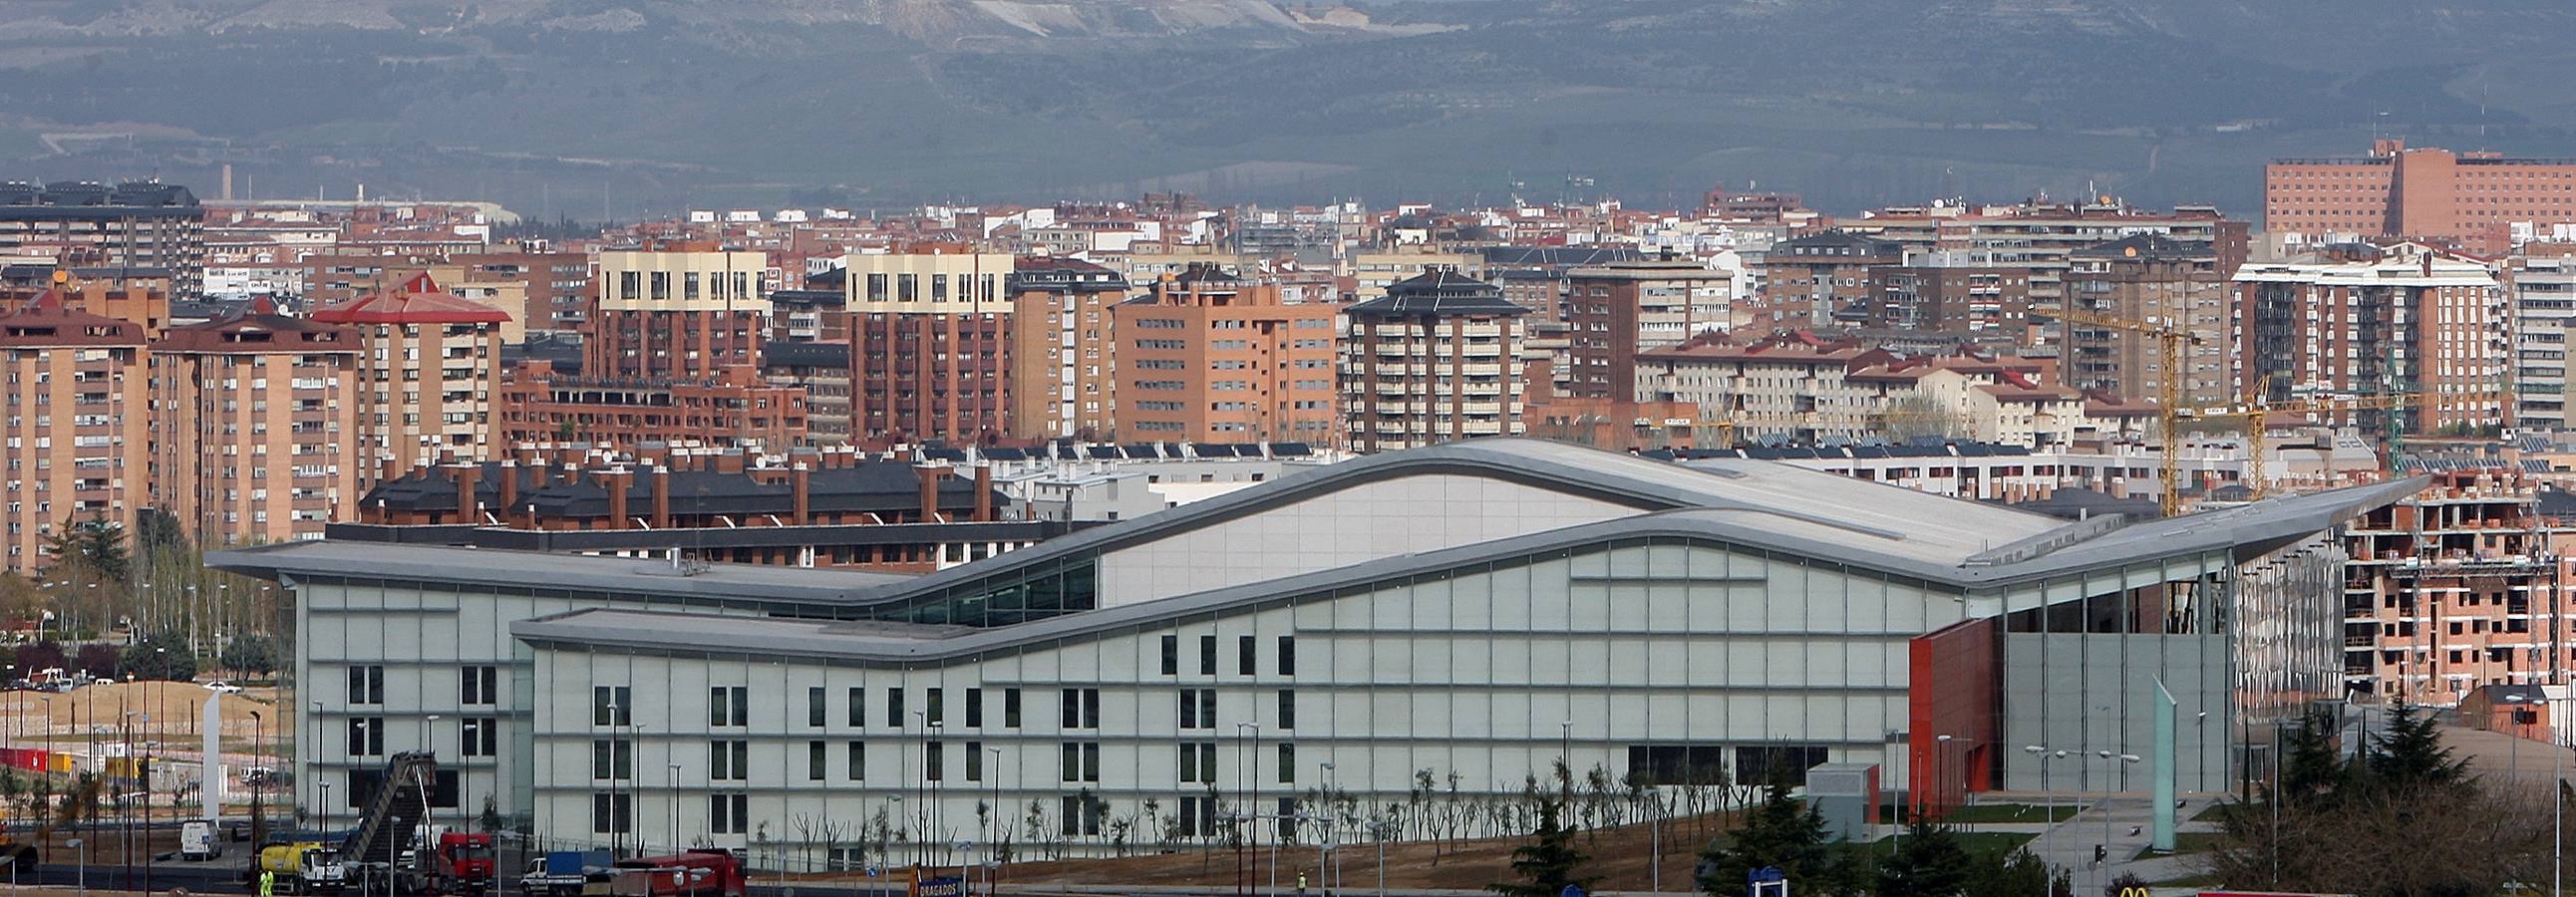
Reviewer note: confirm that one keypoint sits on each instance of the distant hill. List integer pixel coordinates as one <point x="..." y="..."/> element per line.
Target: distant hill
<point x="587" y="107"/>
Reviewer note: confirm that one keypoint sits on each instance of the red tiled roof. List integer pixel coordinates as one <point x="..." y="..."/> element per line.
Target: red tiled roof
<point x="419" y="301"/>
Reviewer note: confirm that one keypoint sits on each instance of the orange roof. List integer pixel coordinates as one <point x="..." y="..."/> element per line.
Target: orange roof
<point x="420" y="301"/>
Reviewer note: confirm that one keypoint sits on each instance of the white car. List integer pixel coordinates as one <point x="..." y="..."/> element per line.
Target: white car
<point x="224" y="687"/>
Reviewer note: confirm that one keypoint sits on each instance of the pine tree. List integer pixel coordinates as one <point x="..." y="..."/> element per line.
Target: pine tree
<point x="1549" y="866"/>
<point x="2019" y="874"/>
<point x="2313" y="771"/>
<point x="1783" y="833"/>
<point x="2411" y="754"/>
<point x="1930" y="863"/>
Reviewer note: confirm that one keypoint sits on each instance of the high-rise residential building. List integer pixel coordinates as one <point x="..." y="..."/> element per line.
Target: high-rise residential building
<point x="137" y="229"/>
<point x="1817" y="279"/>
<point x="2482" y="201"/>
<point x="2544" y="304"/>
<point x="553" y="288"/>
<point x="733" y="408"/>
<point x="1063" y="353"/>
<point x="254" y="426"/>
<point x="809" y="346"/>
<point x="2044" y="237"/>
<point x="2158" y="281"/>
<point x="1958" y="292"/>
<point x="1620" y="309"/>
<point x="1437" y="358"/>
<point x="2409" y="318"/>
<point x="2456" y="587"/>
<point x="1206" y="357"/>
<point x="429" y="371"/>
<point x="76" y="407"/>
<point x="679" y="311"/>
<point x="930" y="346"/>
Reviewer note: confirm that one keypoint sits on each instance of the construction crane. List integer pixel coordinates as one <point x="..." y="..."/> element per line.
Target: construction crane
<point x="2173" y="343"/>
<point x="2253" y="417"/>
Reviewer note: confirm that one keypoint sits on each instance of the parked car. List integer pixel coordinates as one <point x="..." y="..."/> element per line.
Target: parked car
<point x="223" y="686"/>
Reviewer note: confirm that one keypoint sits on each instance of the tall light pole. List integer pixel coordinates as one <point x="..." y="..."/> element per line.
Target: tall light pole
<point x="2110" y="774"/>
<point x="2513" y="751"/>
<point x="1654" y="841"/>
<point x="1324" y="834"/>
<point x="1941" y="759"/>
<point x="993" y="828"/>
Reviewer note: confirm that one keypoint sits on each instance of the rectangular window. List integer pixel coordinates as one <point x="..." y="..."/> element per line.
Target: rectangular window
<point x="1243" y="655"/>
<point x="974" y="761"/>
<point x="481" y="736"/>
<point x="1287" y="763"/>
<point x="1011" y="708"/>
<point x="611" y="705"/>
<point x="729" y="760"/>
<point x="481" y="685"/>
<point x="612" y="814"/>
<point x="1207" y="708"/>
<point x="1287" y="708"/>
<point x="1207" y="655"/>
<point x="858" y="751"/>
<point x="1081" y="708"/>
<point x="1091" y="708"/>
<point x="366" y="685"/>
<point x="858" y="707"/>
<point x="1189" y="709"/>
<point x="814" y="705"/>
<point x="1071" y="762"/>
<point x="1171" y="655"/>
<point x="933" y="761"/>
<point x="1287" y="655"/>
<point x="1189" y="764"/>
<point x="817" y="761"/>
<point x="974" y="708"/>
<point x="612" y="758"/>
<point x="728" y="705"/>
<point x="894" y="707"/>
<point x="366" y="736"/>
<point x="934" y="706"/>
<point x="729" y="814"/>
<point x="1091" y="761"/>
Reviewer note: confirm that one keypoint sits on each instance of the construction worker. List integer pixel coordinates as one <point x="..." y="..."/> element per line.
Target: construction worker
<point x="1301" y="884"/>
<point x="267" y="883"/>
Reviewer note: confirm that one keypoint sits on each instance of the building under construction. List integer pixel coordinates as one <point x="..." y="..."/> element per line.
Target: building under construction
<point x="2457" y="587"/>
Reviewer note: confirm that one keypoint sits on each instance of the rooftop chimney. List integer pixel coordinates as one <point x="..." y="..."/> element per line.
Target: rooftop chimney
<point x="800" y="479"/>
<point x="661" y="496"/>
<point x="984" y="491"/>
<point x="618" y="479"/>
<point x="930" y="474"/>
<point x="509" y="489"/>
<point x="466" y="501"/>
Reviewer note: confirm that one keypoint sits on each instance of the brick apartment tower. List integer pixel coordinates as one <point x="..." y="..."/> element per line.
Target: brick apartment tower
<point x="2170" y="282"/>
<point x="2454" y="588"/>
<point x="1622" y="308"/>
<point x="1437" y="358"/>
<point x="1063" y="353"/>
<point x="2473" y="199"/>
<point x="1210" y="358"/>
<point x="76" y="417"/>
<point x="429" y="372"/>
<point x="255" y="430"/>
<point x="2412" y="319"/>
<point x="930" y="347"/>
<point x="679" y="311"/>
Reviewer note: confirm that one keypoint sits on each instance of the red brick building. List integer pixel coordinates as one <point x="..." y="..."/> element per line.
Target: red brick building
<point x="75" y="435"/>
<point x="255" y="427"/>
<point x="733" y="408"/>
<point x="2472" y="199"/>
<point x="1210" y="358"/>
<point x="2412" y="318"/>
<point x="930" y="376"/>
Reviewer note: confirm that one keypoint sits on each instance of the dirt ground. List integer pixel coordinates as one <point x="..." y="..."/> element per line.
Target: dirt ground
<point x="173" y="708"/>
<point x="1620" y="856"/>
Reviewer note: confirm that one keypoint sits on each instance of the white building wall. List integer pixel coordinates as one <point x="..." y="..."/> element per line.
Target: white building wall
<point x="1402" y="516"/>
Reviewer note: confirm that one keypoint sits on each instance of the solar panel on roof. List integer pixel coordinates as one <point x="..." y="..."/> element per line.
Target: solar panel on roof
<point x="1107" y="452"/>
<point x="1290" y="449"/>
<point x="1006" y="453"/>
<point x="944" y="454"/>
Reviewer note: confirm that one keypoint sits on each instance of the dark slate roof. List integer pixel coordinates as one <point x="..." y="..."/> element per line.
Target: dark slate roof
<point x="803" y="354"/>
<point x="1438" y="291"/>
<point x="871" y="486"/>
<point x="2557" y="503"/>
<point x="1558" y="256"/>
<point x="25" y="200"/>
<point x="2078" y="504"/>
<point x="1835" y="243"/>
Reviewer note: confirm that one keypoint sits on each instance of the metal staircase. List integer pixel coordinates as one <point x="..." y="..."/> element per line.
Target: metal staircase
<point x="395" y="812"/>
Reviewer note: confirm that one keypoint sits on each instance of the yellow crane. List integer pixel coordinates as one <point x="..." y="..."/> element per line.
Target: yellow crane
<point x="2253" y="416"/>
<point x="2173" y="344"/>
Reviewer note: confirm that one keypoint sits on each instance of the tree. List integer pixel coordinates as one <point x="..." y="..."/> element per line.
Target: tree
<point x="249" y="654"/>
<point x="2019" y="874"/>
<point x="97" y="660"/>
<point x="96" y="544"/>
<point x="1928" y="863"/>
<point x="2411" y="754"/>
<point x="1781" y="833"/>
<point x="40" y="656"/>
<point x="156" y="658"/>
<point x="1546" y="868"/>
<point x="1919" y="417"/>
<point x="2312" y="769"/>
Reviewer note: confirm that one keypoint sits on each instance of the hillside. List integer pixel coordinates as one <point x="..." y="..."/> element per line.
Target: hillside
<point x="549" y="104"/>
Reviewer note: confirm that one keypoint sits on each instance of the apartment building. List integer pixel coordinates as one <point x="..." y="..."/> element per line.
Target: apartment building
<point x="732" y="408"/>
<point x="2455" y="587"/>
<point x="1818" y="279"/>
<point x="2156" y="280"/>
<point x="1949" y="292"/>
<point x="137" y="228"/>
<point x="1437" y="358"/>
<point x="1620" y="309"/>
<point x="2044" y="237"/>
<point x="2474" y="199"/>
<point x="2544" y="301"/>
<point x="809" y="346"/>
<point x="1806" y="390"/>
<point x="930" y="342"/>
<point x="77" y="405"/>
<point x="677" y="311"/>
<point x="553" y="289"/>
<point x="255" y="426"/>
<point x="429" y="371"/>
<point x="1064" y="373"/>
<point x="2407" y="318"/>
<point x="1206" y="357"/>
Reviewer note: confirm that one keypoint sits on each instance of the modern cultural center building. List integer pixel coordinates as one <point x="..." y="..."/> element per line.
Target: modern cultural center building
<point x="1473" y="611"/>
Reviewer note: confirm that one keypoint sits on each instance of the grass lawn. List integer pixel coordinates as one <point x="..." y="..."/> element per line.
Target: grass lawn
<point x="1975" y="814"/>
<point x="2196" y="842"/>
<point x="1974" y="842"/>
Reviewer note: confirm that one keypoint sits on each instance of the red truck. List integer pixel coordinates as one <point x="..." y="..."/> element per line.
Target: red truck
<point x="460" y="866"/>
<point x="695" y="873"/>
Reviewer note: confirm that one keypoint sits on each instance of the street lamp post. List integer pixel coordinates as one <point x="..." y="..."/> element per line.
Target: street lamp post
<point x="2513" y="751"/>
<point x="674" y="782"/>
<point x="1941" y="760"/>
<point x="1323" y="835"/>
<point x="2109" y="775"/>
<point x="2048" y="792"/>
<point x="1654" y="840"/>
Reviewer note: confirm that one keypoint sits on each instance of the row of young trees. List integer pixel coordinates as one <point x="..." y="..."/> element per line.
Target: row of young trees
<point x="157" y="582"/>
<point x="2401" y="817"/>
<point x="1786" y="834"/>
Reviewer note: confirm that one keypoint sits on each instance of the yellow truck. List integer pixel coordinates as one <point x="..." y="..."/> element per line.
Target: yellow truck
<point x="302" y="867"/>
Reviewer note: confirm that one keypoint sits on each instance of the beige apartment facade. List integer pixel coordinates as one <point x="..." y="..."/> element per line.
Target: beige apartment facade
<point x="75" y="411"/>
<point x="254" y="426"/>
<point x="428" y="372"/>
